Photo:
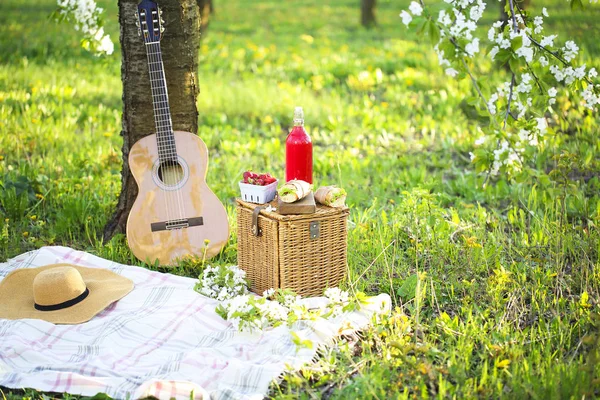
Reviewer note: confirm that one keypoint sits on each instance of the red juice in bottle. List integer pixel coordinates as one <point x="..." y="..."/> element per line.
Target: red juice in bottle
<point x="298" y="151"/>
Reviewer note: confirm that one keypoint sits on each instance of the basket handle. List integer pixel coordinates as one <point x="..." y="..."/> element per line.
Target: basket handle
<point x="255" y="229"/>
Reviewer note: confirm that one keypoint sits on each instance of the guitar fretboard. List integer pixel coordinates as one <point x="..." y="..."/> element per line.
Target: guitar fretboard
<point x="160" y="100"/>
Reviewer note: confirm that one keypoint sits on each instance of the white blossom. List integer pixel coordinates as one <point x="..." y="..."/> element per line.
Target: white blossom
<point x="86" y="16"/>
<point x="415" y="8"/>
<point x="545" y="12"/>
<point x="538" y="22"/>
<point x="570" y="50"/>
<point x="590" y="98"/>
<point x="542" y="125"/>
<point x="548" y="41"/>
<point x="406" y="17"/>
<point x="492" y="103"/>
<point x="493" y="52"/>
<point x="444" y="18"/>
<point x="473" y="47"/>
<point x="543" y="61"/>
<point x="451" y="72"/>
<point x="592" y="73"/>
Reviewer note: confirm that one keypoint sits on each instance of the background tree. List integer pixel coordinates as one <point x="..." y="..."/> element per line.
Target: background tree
<point x="180" y="46"/>
<point x="367" y="13"/>
<point x="206" y="8"/>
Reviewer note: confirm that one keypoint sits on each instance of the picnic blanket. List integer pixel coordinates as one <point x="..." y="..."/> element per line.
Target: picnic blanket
<point x="163" y="340"/>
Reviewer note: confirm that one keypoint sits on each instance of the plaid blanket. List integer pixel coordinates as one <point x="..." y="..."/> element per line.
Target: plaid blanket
<point x="162" y="340"/>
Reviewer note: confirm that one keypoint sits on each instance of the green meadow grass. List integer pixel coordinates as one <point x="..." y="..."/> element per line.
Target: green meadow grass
<point x="496" y="287"/>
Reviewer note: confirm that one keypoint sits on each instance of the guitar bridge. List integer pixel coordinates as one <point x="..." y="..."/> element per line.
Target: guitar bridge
<point x="173" y="224"/>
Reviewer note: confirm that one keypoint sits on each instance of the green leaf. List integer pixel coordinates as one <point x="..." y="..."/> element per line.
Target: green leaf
<point x="420" y="23"/>
<point x="408" y="289"/>
<point x="576" y="4"/>
<point x="434" y="32"/>
<point x="514" y="64"/>
<point x="503" y="56"/>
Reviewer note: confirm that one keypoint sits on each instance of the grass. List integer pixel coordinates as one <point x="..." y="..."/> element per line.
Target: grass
<point x="496" y="287"/>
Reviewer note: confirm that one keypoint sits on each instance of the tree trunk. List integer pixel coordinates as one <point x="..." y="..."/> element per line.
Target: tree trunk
<point x="206" y="10"/>
<point x="180" y="44"/>
<point x="367" y="13"/>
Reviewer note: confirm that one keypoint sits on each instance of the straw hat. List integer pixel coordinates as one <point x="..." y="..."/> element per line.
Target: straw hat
<point x="60" y="293"/>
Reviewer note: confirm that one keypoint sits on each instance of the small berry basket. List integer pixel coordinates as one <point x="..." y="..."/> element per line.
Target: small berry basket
<point x="258" y="194"/>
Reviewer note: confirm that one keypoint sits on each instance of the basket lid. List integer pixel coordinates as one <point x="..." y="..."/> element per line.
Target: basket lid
<point x="322" y="211"/>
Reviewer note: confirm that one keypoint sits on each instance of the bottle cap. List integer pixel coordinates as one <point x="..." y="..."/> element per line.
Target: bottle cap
<point x="298" y="116"/>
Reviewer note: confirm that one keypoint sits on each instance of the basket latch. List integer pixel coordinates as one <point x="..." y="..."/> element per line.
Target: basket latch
<point x="255" y="229"/>
<point x="314" y="229"/>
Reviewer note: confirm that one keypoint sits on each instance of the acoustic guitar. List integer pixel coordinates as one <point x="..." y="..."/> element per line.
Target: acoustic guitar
<point x="175" y="214"/>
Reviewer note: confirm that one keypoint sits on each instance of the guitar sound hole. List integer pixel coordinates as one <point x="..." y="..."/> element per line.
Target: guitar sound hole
<point x="170" y="173"/>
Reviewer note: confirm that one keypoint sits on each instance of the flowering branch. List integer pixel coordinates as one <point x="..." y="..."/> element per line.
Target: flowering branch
<point x="86" y="16"/>
<point x="522" y="47"/>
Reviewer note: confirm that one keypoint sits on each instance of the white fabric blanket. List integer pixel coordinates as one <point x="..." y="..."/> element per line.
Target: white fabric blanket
<point x="163" y="340"/>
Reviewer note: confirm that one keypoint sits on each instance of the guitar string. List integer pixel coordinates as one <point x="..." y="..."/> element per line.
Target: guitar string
<point x="166" y="197"/>
<point x="174" y="172"/>
<point x="173" y="162"/>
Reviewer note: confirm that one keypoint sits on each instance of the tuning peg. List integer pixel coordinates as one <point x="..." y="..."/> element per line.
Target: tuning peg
<point x="160" y="11"/>
<point x="137" y="23"/>
<point x="139" y="32"/>
<point x="162" y="21"/>
<point x="162" y="29"/>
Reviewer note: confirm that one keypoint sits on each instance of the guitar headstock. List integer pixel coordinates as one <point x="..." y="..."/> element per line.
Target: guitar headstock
<point x="149" y="21"/>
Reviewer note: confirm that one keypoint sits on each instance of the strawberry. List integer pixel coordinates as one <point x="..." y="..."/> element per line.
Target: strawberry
<point x="258" y="179"/>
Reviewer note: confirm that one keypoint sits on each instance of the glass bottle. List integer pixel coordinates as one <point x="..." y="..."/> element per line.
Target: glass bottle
<point x="298" y="151"/>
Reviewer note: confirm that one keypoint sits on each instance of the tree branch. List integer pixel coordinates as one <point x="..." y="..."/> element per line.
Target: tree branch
<point x="510" y="94"/>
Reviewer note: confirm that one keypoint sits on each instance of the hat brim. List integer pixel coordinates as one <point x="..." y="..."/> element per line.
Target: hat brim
<point x="16" y="295"/>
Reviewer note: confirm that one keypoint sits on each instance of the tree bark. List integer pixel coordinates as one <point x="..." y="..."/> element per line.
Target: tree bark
<point x="180" y="45"/>
<point x="367" y="13"/>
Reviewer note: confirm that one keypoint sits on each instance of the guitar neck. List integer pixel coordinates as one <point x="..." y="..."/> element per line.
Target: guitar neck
<point x="167" y="150"/>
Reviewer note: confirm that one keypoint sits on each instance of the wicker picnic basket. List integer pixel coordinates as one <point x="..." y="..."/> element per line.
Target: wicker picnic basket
<point x="306" y="253"/>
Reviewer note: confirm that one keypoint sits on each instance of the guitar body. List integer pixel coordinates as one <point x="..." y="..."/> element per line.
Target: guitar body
<point x="175" y="214"/>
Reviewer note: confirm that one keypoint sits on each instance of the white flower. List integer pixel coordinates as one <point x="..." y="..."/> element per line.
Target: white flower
<point x="492" y="103"/>
<point x="491" y="34"/>
<point x="444" y="18"/>
<point x="591" y="100"/>
<point x="545" y="12"/>
<point x="415" y="8"/>
<point x="335" y="295"/>
<point x="570" y="50"/>
<point x="592" y="73"/>
<point x="579" y="73"/>
<point x="406" y="17"/>
<point x="480" y="141"/>
<point x="442" y="61"/>
<point x="538" y="22"/>
<point x="473" y="47"/>
<point x="542" y="124"/>
<point x="543" y="61"/>
<point x="548" y="40"/>
<point x="106" y="45"/>
<point x="526" y="53"/>
<point x="524" y="86"/>
<point x="452" y="72"/>
<point x="552" y="92"/>
<point x="269" y="293"/>
<point x="493" y="53"/>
